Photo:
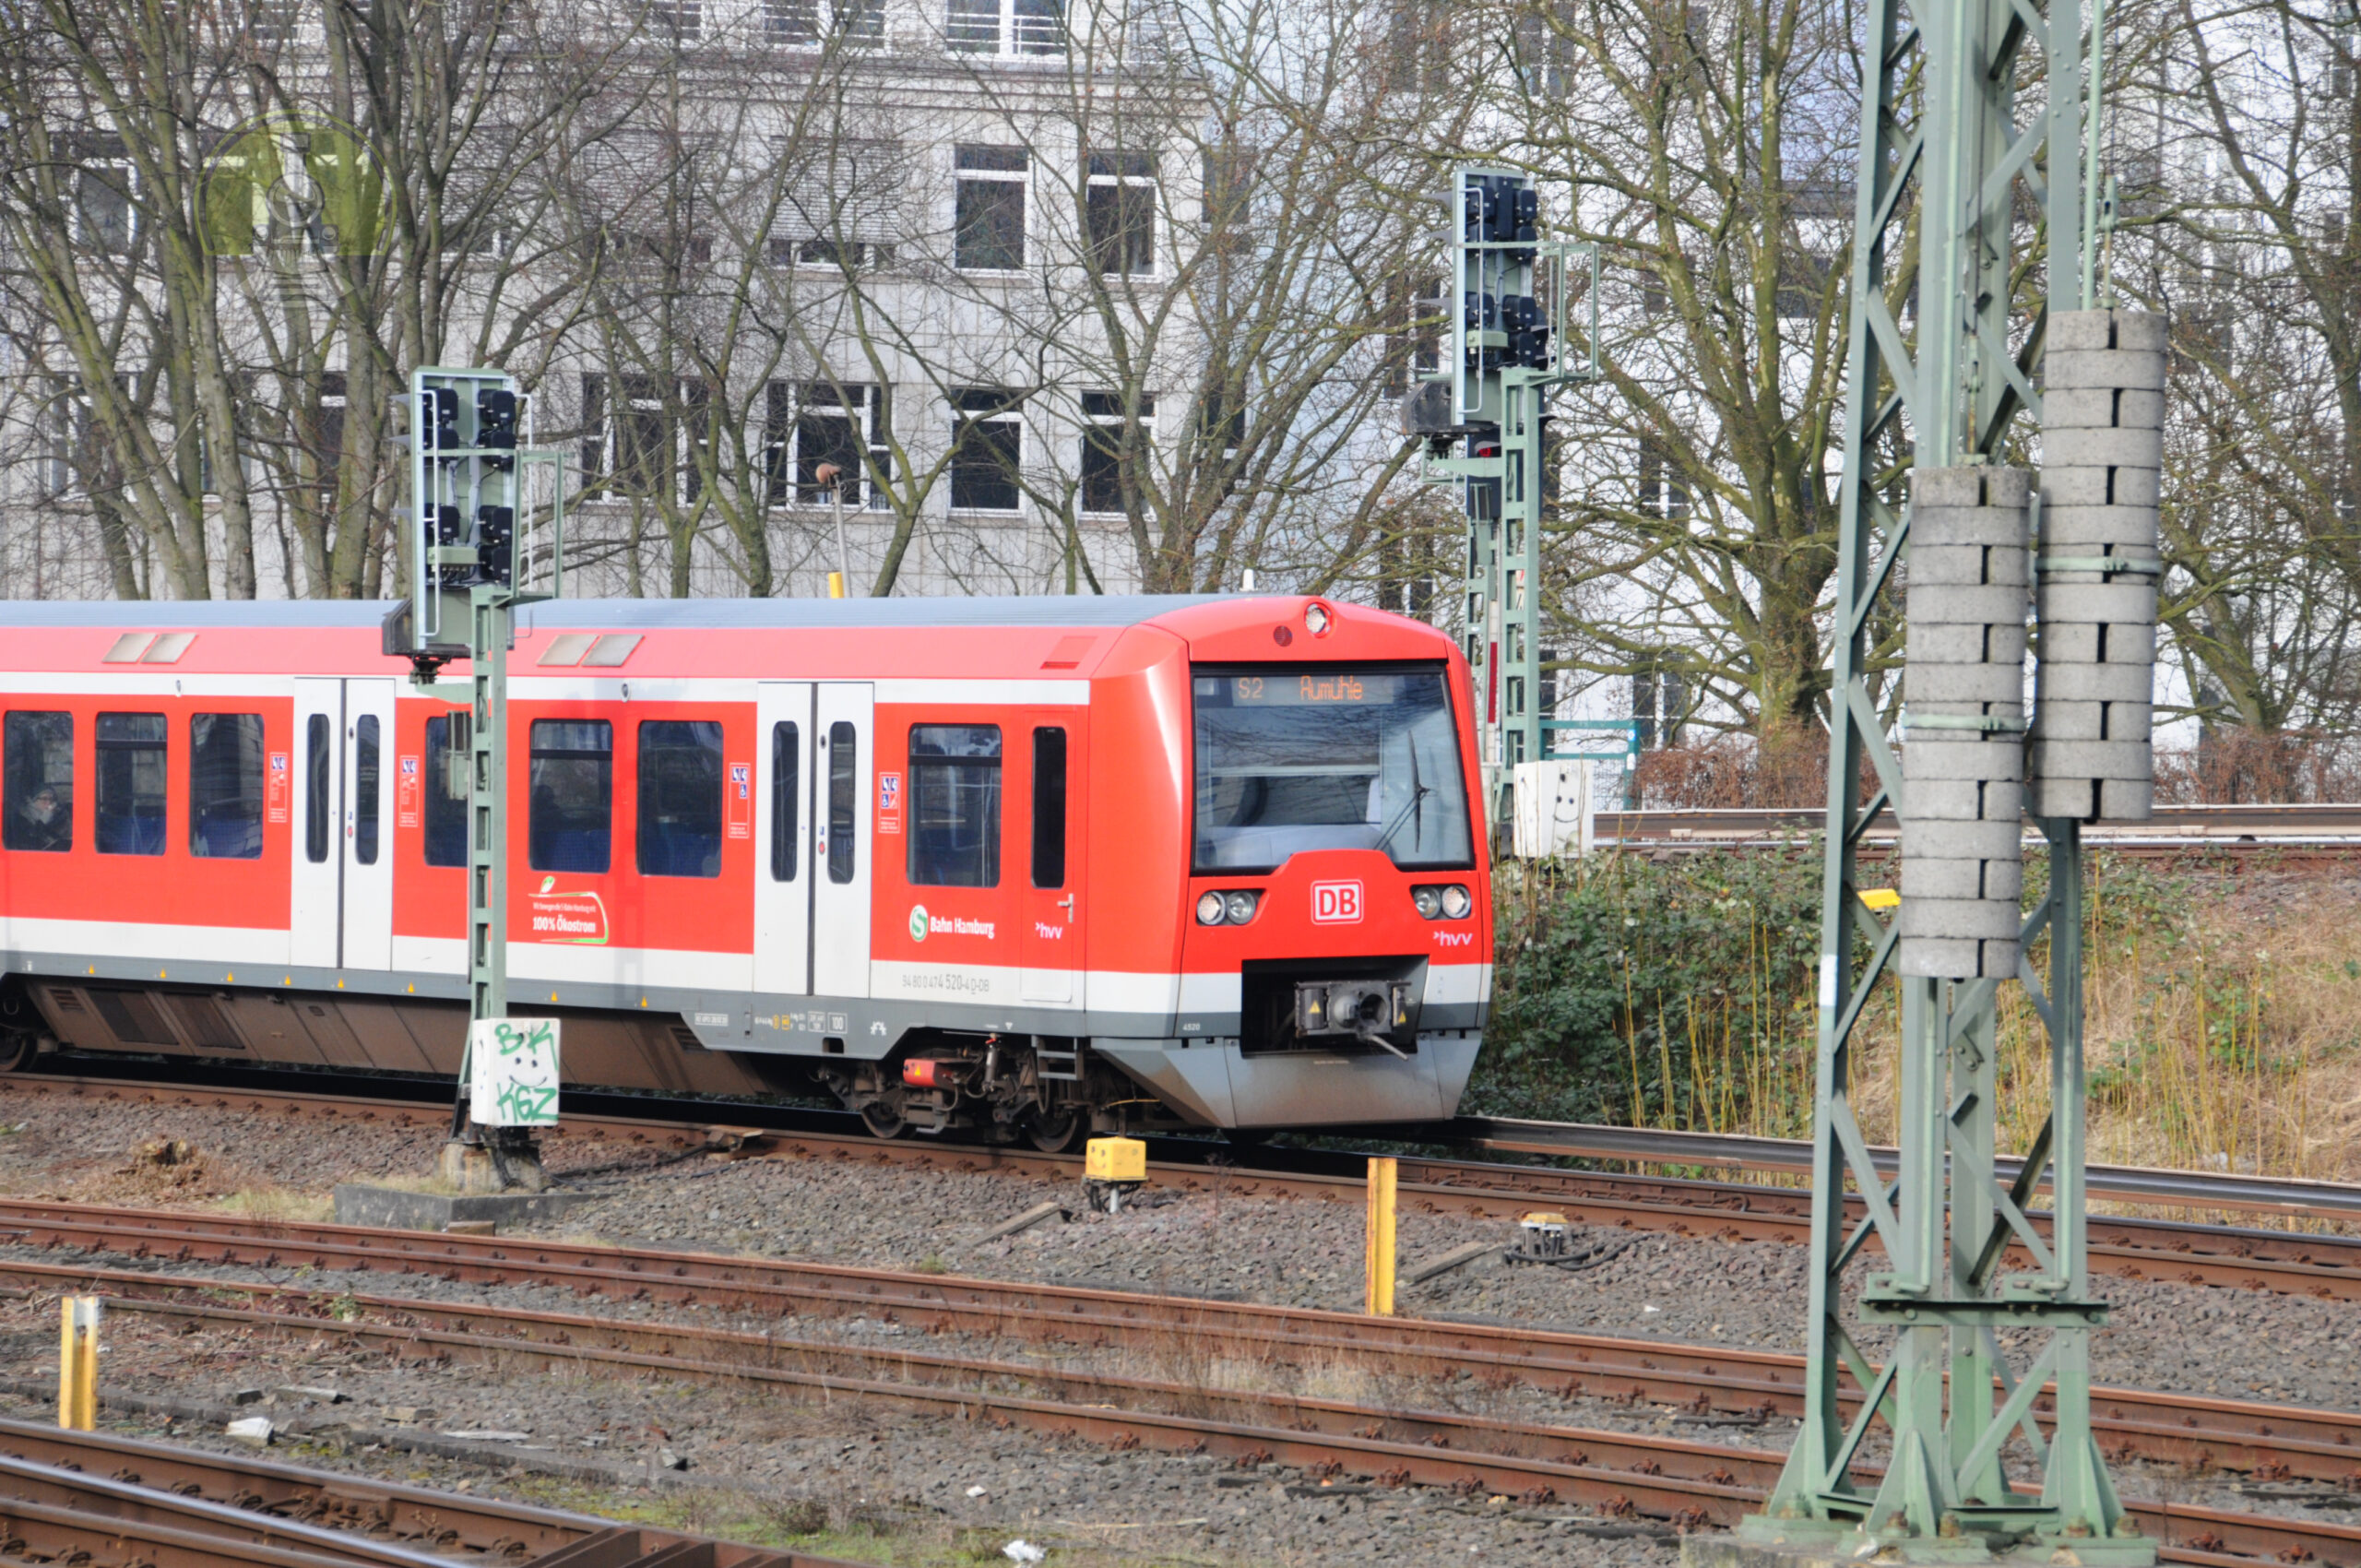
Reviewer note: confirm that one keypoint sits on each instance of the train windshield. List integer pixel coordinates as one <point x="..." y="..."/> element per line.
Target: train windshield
<point x="1295" y="757"/>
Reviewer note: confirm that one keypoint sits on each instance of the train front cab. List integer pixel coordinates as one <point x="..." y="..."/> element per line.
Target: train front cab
<point x="1335" y="939"/>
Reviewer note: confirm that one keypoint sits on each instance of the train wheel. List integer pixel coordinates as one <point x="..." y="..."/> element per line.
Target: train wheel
<point x="17" y="1050"/>
<point x="1056" y="1133"/>
<point x="883" y="1121"/>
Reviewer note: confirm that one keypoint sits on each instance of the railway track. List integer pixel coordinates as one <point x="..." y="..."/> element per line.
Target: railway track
<point x="1685" y="1480"/>
<point x="106" y="1500"/>
<point x="1707" y="1379"/>
<point x="2297" y="832"/>
<point x="2307" y="1264"/>
<point x="1715" y="1384"/>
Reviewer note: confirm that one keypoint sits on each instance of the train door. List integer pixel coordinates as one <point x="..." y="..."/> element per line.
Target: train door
<point x="342" y="893"/>
<point x="785" y="791"/>
<point x="1049" y="937"/>
<point x="842" y="811"/>
<point x="368" y="836"/>
<point x="316" y="901"/>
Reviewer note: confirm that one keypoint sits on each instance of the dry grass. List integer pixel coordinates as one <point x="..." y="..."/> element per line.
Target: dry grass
<point x="2223" y="1030"/>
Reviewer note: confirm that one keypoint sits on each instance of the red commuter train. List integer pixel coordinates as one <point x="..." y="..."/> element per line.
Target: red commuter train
<point x="1029" y="866"/>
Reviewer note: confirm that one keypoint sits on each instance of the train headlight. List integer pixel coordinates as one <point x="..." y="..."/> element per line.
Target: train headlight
<point x="1428" y="901"/>
<point x="1317" y="619"/>
<point x="1239" y="907"/>
<point x="1212" y="909"/>
<point x="1455" y="903"/>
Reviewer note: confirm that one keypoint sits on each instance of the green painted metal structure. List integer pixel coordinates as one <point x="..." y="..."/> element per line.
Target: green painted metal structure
<point x="1940" y="227"/>
<point x="467" y="467"/>
<point x="1499" y="386"/>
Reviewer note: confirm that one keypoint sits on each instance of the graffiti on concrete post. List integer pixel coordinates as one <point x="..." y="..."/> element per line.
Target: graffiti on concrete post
<point x="513" y="1081"/>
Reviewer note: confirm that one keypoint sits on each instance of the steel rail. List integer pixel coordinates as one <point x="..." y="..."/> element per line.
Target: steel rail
<point x="2198" y="827"/>
<point x="2314" y="1265"/>
<point x="187" y="1506"/>
<point x="1662" y="1481"/>
<point x="2324" y="1445"/>
<point x="2293" y="1197"/>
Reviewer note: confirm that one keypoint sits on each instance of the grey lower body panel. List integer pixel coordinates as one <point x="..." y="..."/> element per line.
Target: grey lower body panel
<point x="1216" y="1084"/>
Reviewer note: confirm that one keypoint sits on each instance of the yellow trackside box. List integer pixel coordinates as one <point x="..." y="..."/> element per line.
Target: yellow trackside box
<point x="1114" y="1159"/>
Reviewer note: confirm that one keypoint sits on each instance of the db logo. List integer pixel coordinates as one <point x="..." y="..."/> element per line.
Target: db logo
<point x="1335" y="903"/>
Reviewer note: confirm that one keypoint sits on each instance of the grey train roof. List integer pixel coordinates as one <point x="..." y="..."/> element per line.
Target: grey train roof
<point x="626" y="614"/>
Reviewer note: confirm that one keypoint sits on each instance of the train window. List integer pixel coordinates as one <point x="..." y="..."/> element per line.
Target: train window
<point x="1049" y="808"/>
<point x="40" y="765"/>
<point x="319" y="758"/>
<point x="787" y="785"/>
<point x="225" y="786"/>
<point x="680" y="798"/>
<point x="447" y="811"/>
<point x="955" y="805"/>
<point x="1299" y="757"/>
<point x="364" y="790"/>
<point x="131" y="783"/>
<point x="843" y="804"/>
<point x="572" y="826"/>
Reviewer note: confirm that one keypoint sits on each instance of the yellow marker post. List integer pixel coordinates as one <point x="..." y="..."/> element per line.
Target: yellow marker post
<point x="1380" y="1236"/>
<point x="836" y="585"/>
<point x="78" y="1363"/>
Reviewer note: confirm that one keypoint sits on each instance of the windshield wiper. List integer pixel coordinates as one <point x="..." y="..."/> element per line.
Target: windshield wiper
<point x="1415" y="809"/>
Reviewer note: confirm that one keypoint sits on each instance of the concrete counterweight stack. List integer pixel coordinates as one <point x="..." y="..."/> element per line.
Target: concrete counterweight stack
<point x="1963" y="766"/>
<point x="2103" y="417"/>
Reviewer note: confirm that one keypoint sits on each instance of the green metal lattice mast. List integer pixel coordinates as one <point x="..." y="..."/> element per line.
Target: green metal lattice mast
<point x="1509" y="296"/>
<point x="468" y="568"/>
<point x="1937" y="228"/>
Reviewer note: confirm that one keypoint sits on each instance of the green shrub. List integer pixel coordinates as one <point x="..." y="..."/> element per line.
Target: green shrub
<point x="1676" y="994"/>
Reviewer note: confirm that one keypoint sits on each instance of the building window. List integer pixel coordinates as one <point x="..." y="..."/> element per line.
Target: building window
<point x="102" y="211"/>
<point x="446" y="806"/>
<point x="1103" y="458"/>
<point x="1119" y="212"/>
<point x="987" y="450"/>
<point x="572" y="816"/>
<point x="131" y="783"/>
<point x="1049" y="808"/>
<point x="808" y="425"/>
<point x="680" y="798"/>
<point x="639" y="441"/>
<point x="319" y="774"/>
<point x="812" y="23"/>
<point x="787" y="789"/>
<point x="225" y="786"/>
<point x="988" y="231"/>
<point x="1661" y="493"/>
<point x="681" y="20"/>
<point x="955" y="805"/>
<point x="844" y="786"/>
<point x="1005" y="26"/>
<point x="63" y="431"/>
<point x="40" y="768"/>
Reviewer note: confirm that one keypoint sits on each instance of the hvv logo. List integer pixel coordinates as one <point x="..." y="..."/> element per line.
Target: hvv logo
<point x="1335" y="903"/>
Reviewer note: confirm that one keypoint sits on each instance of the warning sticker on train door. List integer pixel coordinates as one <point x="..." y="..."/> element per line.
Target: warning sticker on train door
<point x="742" y="799"/>
<point x="889" y="804"/>
<point x="513" y="1072"/>
<point x="277" y="802"/>
<point x="406" y="794"/>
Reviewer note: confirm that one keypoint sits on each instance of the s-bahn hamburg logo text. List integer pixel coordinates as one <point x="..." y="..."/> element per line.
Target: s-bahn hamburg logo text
<point x="553" y="916"/>
<point x="1335" y="903"/>
<point x="923" y="925"/>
